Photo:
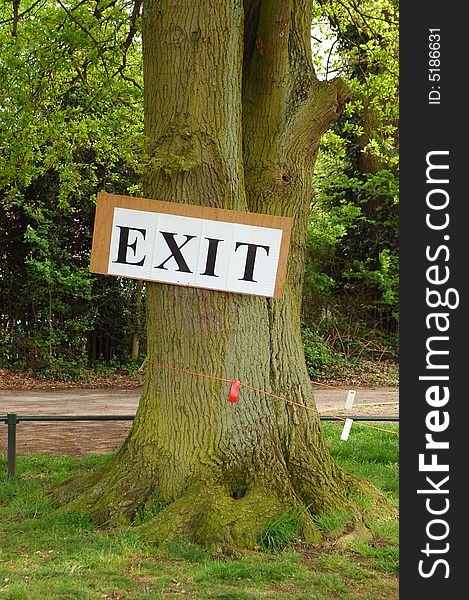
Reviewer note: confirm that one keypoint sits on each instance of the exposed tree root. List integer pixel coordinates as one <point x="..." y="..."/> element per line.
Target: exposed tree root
<point x="112" y="495"/>
<point x="213" y="515"/>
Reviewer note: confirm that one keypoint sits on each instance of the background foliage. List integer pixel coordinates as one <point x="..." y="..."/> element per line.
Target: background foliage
<point x="71" y="124"/>
<point x="351" y="299"/>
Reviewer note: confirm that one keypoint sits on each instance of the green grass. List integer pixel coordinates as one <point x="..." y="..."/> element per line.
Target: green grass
<point x="332" y="522"/>
<point x="369" y="453"/>
<point x="47" y="556"/>
<point x="281" y="532"/>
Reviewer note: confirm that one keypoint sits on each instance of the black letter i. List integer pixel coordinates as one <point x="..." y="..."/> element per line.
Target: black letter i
<point x="211" y="257"/>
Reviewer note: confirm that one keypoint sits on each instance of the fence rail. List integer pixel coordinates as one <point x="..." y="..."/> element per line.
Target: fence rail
<point x="12" y="419"/>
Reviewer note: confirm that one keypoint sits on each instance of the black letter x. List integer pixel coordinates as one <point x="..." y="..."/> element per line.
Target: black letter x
<point x="175" y="251"/>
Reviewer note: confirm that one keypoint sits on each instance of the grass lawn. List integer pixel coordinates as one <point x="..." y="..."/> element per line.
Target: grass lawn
<point x="66" y="556"/>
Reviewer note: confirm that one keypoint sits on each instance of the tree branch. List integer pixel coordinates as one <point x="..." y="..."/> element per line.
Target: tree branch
<point x="16" y="10"/>
<point x="266" y="80"/>
<point x="323" y="106"/>
<point x="128" y="41"/>
<point x="133" y="25"/>
<point x="25" y="12"/>
<point x="88" y="33"/>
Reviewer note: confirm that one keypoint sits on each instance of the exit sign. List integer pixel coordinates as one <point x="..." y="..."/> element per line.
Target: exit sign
<point x="183" y="244"/>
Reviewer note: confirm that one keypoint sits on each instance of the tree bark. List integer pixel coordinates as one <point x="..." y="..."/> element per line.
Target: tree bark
<point x="137" y="319"/>
<point x="234" y="116"/>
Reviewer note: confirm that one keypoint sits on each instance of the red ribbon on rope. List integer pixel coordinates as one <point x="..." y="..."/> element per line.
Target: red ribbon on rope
<point x="233" y="397"/>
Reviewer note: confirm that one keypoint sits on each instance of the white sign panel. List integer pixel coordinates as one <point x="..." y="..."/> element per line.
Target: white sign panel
<point x="198" y="252"/>
<point x="190" y="245"/>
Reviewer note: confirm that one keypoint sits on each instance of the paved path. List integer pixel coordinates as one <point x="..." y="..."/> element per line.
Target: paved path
<point x="99" y="437"/>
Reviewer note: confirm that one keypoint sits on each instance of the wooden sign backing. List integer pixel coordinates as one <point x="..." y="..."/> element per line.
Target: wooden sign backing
<point x="103" y="225"/>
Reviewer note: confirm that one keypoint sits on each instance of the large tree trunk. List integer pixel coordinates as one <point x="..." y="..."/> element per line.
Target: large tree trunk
<point x="137" y="320"/>
<point x="237" y="130"/>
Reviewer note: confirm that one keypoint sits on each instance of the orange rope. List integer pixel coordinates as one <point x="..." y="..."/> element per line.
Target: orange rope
<point x="158" y="364"/>
<point x="344" y="389"/>
<point x="254" y="389"/>
<point x="287" y="400"/>
<point x="370" y="426"/>
<point x="375" y="427"/>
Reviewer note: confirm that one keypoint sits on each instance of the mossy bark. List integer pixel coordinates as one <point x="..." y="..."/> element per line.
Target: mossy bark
<point x="234" y="116"/>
